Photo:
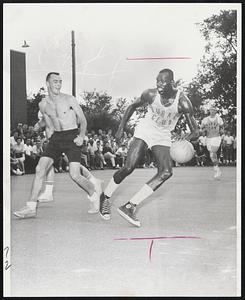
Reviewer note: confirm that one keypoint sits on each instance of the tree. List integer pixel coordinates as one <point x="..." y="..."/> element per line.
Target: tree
<point x="216" y="79"/>
<point x="33" y="108"/>
<point x="101" y="112"/>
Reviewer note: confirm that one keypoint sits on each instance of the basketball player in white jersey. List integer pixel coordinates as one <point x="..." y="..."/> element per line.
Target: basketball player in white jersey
<point x="213" y="125"/>
<point x="47" y="194"/>
<point x="62" y="113"/>
<point x="165" y="105"/>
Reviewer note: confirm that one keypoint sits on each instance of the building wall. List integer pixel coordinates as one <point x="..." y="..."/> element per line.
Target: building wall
<point x="18" y="99"/>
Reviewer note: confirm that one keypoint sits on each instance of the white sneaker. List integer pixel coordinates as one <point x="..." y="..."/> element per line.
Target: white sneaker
<point x="18" y="172"/>
<point x="45" y="198"/>
<point x="26" y="212"/>
<point x="95" y="198"/>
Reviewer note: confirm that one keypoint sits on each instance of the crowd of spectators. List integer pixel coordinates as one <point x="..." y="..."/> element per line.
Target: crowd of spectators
<point x="226" y="153"/>
<point x="100" y="150"/>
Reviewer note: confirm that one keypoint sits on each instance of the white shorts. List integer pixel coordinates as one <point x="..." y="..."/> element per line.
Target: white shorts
<point x="152" y="135"/>
<point x="213" y="143"/>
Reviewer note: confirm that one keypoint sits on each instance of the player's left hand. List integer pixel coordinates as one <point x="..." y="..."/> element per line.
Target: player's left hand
<point x="78" y="140"/>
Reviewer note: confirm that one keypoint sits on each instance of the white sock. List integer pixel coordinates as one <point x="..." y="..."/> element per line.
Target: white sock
<point x="111" y="187"/>
<point x="91" y="198"/>
<point x="31" y="204"/>
<point x="92" y="179"/>
<point x="48" y="188"/>
<point x="142" y="194"/>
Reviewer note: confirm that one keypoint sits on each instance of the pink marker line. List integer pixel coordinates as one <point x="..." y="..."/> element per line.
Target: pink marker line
<point x="155" y="58"/>
<point x="150" y="249"/>
<point x="157" y="238"/>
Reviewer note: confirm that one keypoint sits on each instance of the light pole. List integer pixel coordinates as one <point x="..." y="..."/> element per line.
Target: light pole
<point x="73" y="64"/>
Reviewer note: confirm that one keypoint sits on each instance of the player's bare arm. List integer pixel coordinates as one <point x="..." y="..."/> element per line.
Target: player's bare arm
<point x="81" y="120"/>
<point x="145" y="99"/>
<point x="186" y="108"/>
<point x="40" y="125"/>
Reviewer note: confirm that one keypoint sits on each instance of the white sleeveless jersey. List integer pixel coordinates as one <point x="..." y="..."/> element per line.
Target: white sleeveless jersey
<point x="212" y="126"/>
<point x="162" y="117"/>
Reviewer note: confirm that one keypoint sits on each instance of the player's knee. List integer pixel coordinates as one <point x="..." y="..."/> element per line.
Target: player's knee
<point x="163" y="176"/>
<point x="128" y="169"/>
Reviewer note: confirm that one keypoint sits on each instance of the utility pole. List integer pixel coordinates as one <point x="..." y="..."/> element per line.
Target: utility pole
<point x="73" y="64"/>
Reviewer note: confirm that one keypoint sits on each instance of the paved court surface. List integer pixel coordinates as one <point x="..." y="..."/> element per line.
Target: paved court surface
<point x="67" y="252"/>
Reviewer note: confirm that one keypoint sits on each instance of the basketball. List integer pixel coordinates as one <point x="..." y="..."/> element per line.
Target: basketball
<point x="182" y="151"/>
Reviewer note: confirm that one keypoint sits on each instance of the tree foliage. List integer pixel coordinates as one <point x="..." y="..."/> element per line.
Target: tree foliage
<point x="101" y="111"/>
<point x="216" y="80"/>
<point x="33" y="108"/>
<point x="217" y="75"/>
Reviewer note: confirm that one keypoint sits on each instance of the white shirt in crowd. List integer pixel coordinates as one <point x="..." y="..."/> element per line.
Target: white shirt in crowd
<point x="122" y="152"/>
<point x="92" y="148"/>
<point x="28" y="149"/>
<point x="36" y="150"/>
<point x="228" y="139"/>
<point x="99" y="147"/>
<point x="13" y="141"/>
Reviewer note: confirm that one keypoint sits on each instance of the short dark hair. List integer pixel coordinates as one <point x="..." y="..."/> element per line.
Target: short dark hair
<point x="170" y="73"/>
<point x="51" y="73"/>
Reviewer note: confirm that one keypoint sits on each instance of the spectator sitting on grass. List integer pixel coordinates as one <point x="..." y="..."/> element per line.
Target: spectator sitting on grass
<point x="108" y="154"/>
<point x="37" y="151"/>
<point x="122" y="154"/>
<point x="14" y="163"/>
<point x="92" y="148"/>
<point x="14" y="137"/>
<point x="18" y="151"/>
<point x="84" y="154"/>
<point x="114" y="146"/>
<point x="99" y="155"/>
<point x="29" y="159"/>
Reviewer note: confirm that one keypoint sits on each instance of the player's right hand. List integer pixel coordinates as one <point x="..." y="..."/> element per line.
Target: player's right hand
<point x="78" y="141"/>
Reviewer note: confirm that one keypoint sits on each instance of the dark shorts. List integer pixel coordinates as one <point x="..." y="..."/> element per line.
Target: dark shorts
<point x="62" y="141"/>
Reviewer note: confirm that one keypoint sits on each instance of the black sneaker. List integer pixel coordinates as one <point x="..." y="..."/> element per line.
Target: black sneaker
<point x="105" y="207"/>
<point x="127" y="211"/>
